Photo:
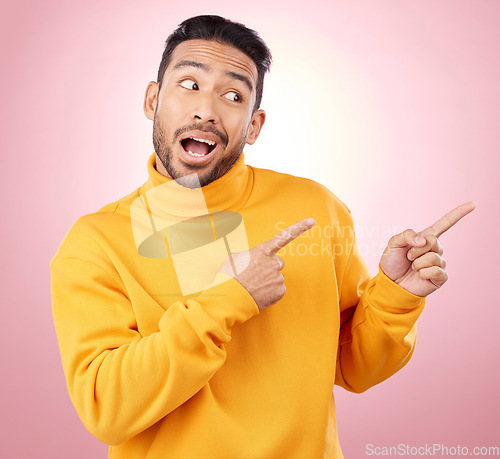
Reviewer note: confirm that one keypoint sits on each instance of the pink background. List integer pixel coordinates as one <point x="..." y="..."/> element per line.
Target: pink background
<point x="394" y="105"/>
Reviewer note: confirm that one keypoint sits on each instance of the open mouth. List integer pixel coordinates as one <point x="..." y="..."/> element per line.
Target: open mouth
<point x="197" y="147"/>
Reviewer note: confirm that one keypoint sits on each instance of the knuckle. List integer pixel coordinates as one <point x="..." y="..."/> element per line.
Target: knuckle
<point x="394" y="238"/>
<point x="440" y="274"/>
<point x="281" y="288"/>
<point x="431" y="239"/>
<point x="281" y="262"/>
<point x="436" y="259"/>
<point x="285" y="236"/>
<point x="263" y="249"/>
<point x="408" y="233"/>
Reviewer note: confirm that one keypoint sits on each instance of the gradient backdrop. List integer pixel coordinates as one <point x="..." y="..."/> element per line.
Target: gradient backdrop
<point x="393" y="105"/>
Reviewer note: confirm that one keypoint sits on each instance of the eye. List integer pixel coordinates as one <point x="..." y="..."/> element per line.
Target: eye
<point x="233" y="96"/>
<point x="189" y="84"/>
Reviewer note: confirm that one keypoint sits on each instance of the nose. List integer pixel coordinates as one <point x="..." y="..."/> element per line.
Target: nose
<point x="205" y="108"/>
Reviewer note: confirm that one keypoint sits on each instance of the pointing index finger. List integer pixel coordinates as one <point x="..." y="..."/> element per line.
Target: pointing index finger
<point x="446" y="222"/>
<point x="288" y="235"/>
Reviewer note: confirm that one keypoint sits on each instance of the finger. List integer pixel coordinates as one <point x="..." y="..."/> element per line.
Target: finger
<point x="406" y="238"/>
<point x="432" y="245"/>
<point x="427" y="260"/>
<point x="438" y="276"/>
<point x="446" y="222"/>
<point x="281" y="262"/>
<point x="287" y="235"/>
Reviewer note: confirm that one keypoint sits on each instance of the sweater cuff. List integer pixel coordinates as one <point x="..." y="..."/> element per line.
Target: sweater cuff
<point x="227" y="301"/>
<point x="389" y="296"/>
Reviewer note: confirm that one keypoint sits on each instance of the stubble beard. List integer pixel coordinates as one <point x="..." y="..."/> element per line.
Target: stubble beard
<point x="185" y="177"/>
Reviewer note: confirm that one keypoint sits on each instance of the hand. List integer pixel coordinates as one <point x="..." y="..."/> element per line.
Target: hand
<point x="259" y="269"/>
<point x="414" y="260"/>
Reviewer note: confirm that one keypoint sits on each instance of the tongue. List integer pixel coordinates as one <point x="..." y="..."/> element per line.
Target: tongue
<point x="201" y="148"/>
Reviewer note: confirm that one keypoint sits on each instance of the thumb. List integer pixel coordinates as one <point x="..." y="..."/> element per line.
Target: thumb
<point x="406" y="238"/>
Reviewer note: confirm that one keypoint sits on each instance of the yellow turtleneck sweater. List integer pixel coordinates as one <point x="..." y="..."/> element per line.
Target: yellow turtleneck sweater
<point x="159" y="373"/>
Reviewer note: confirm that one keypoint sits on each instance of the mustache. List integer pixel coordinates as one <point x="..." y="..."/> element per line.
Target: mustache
<point x="203" y="128"/>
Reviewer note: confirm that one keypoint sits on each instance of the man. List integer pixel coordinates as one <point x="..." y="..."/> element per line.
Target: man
<point x="161" y="364"/>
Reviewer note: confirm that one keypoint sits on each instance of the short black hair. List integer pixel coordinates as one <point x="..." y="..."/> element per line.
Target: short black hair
<point x="216" y="28"/>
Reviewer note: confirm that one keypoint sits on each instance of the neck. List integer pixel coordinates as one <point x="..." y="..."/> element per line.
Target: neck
<point x="229" y="192"/>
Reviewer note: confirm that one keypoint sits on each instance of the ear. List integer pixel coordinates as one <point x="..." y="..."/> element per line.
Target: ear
<point x="258" y="120"/>
<point x="151" y="100"/>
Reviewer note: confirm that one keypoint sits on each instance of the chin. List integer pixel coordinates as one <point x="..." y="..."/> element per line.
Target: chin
<point x="192" y="176"/>
<point x="189" y="181"/>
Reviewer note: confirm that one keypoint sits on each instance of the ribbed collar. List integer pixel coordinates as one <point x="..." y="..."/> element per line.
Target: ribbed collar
<point x="229" y="192"/>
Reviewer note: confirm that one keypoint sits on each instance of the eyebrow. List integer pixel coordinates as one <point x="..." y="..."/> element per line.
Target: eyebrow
<point x="243" y="78"/>
<point x="199" y="65"/>
<point x="187" y="63"/>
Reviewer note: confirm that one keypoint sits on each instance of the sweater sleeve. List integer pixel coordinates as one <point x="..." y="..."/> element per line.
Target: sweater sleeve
<point x="120" y="382"/>
<point x="377" y="326"/>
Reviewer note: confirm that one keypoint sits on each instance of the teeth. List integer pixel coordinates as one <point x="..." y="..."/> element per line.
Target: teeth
<point x="195" y="154"/>
<point x="209" y="142"/>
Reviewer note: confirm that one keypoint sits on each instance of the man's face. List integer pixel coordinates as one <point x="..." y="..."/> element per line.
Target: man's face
<point x="203" y="114"/>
